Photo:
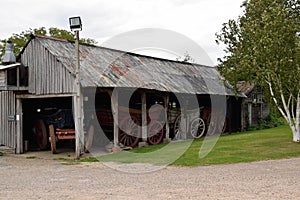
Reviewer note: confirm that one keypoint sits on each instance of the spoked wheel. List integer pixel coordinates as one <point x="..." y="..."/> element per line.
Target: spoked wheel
<point x="155" y="132"/>
<point x="52" y="139"/>
<point x="215" y="126"/>
<point x="129" y="132"/>
<point x="197" y="127"/>
<point x="41" y="134"/>
<point x="178" y="133"/>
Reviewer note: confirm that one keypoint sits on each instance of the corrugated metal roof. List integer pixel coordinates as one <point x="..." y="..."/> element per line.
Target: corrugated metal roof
<point x="2" y="67"/>
<point x="104" y="67"/>
<point x="245" y="87"/>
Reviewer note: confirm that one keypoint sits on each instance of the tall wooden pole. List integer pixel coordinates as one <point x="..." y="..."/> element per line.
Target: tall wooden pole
<point x="79" y="135"/>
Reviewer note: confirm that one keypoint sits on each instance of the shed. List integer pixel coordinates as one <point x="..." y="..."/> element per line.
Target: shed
<point x="43" y="82"/>
<point x="253" y="106"/>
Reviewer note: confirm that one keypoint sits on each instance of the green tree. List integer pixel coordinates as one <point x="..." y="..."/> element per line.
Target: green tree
<point x="22" y="38"/>
<point x="186" y="58"/>
<point x="262" y="46"/>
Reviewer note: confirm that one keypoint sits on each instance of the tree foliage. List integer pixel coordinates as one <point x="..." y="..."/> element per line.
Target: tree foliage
<point x="262" y="46"/>
<point x="186" y="58"/>
<point x="22" y="38"/>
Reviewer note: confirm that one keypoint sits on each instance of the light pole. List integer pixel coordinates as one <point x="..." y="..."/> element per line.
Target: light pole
<point x="76" y="26"/>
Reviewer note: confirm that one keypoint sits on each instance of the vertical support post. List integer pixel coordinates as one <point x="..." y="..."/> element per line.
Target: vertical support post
<point x="166" y="104"/>
<point x="115" y="112"/>
<point x="18" y="77"/>
<point x="79" y="134"/>
<point x="250" y="113"/>
<point x="144" y="117"/>
<point x="261" y="110"/>
<point x="184" y="121"/>
<point x="242" y="116"/>
<point x="19" y="136"/>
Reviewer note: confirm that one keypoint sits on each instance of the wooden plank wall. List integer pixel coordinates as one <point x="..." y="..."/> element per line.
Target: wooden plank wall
<point x="7" y="129"/>
<point x="46" y="74"/>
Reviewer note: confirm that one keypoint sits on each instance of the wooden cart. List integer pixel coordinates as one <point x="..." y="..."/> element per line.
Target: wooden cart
<point x="197" y="123"/>
<point x="189" y="122"/>
<point x="59" y="134"/>
<point x="130" y="126"/>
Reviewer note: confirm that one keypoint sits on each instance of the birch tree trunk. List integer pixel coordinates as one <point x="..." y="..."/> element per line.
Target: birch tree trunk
<point x="287" y="110"/>
<point x="296" y="133"/>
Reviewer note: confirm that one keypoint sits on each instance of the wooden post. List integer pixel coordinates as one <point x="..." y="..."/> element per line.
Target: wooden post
<point x="18" y="77"/>
<point x="166" y="104"/>
<point x="19" y="117"/>
<point x="242" y="116"/>
<point x="78" y="104"/>
<point x="115" y="112"/>
<point x="144" y="117"/>
<point x="184" y="121"/>
<point x="250" y="114"/>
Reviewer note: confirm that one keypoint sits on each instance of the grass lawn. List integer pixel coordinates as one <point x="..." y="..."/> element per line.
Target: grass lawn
<point x="274" y="143"/>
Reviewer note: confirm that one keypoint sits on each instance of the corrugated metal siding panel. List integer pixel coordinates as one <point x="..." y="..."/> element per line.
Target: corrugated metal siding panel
<point x="2" y="78"/>
<point x="7" y="129"/>
<point x="47" y="75"/>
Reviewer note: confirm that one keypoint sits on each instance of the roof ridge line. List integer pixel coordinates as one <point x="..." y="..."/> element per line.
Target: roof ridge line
<point x="49" y="37"/>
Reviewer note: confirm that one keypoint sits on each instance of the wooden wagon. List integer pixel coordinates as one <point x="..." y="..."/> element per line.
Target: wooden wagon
<point x="197" y="122"/>
<point x="130" y="124"/>
<point x="61" y="125"/>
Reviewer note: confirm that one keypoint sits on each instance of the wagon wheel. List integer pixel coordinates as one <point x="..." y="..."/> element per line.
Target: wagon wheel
<point x="178" y="133"/>
<point x="224" y="126"/>
<point x="155" y="132"/>
<point x="197" y="127"/>
<point x="129" y="132"/>
<point x="52" y="139"/>
<point x="214" y="126"/>
<point x="41" y="134"/>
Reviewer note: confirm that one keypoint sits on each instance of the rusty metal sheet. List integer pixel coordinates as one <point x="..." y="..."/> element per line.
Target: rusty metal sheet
<point x="104" y="67"/>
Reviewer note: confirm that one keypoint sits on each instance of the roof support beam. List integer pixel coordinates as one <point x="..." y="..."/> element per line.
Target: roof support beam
<point x="144" y="117"/>
<point x="166" y="105"/>
<point x="115" y="111"/>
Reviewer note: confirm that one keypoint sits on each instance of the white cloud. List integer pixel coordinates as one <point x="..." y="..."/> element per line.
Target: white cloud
<point x="196" y="19"/>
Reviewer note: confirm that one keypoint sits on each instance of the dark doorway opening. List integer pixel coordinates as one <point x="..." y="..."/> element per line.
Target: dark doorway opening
<point x="38" y="114"/>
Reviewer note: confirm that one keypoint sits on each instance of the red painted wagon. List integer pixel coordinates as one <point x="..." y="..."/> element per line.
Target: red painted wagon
<point x="130" y="125"/>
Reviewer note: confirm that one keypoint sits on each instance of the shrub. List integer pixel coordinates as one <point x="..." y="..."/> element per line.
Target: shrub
<point x="273" y="120"/>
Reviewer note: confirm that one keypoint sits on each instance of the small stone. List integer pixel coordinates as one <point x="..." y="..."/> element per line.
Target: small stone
<point x="116" y="149"/>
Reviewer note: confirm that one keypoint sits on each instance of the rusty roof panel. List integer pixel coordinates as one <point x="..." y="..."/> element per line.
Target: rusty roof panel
<point x="104" y="67"/>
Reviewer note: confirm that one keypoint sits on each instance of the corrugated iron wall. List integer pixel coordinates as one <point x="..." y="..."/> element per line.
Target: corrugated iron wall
<point x="2" y="79"/>
<point x="46" y="74"/>
<point x="7" y="128"/>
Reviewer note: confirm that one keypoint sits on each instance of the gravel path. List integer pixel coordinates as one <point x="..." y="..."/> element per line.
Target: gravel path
<point x="38" y="178"/>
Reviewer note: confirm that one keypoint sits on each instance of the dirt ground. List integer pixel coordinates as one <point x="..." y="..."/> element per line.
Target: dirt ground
<point x="42" y="177"/>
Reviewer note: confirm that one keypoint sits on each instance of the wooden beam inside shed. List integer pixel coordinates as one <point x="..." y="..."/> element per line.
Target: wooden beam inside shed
<point x="144" y="117"/>
<point x="115" y="111"/>
<point x="166" y="105"/>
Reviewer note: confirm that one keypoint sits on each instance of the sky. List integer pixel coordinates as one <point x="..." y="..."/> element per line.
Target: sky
<point x="197" y="20"/>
